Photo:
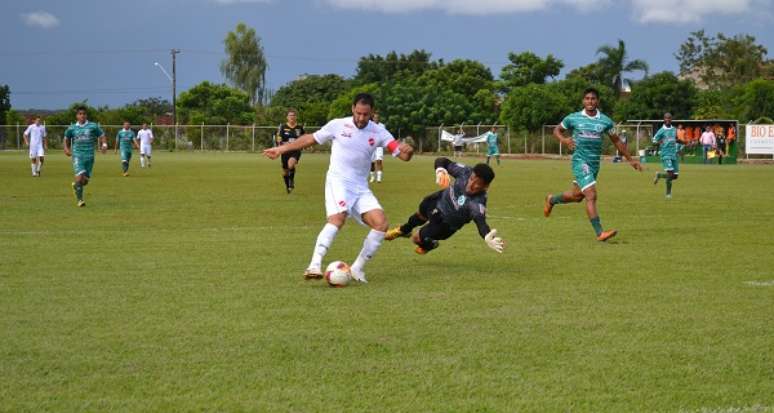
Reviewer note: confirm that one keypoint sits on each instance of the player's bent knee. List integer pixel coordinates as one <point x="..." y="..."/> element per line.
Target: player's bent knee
<point x="338" y="219"/>
<point x="428" y="244"/>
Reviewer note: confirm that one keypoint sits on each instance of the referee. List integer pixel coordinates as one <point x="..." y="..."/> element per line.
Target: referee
<point x="287" y="133"/>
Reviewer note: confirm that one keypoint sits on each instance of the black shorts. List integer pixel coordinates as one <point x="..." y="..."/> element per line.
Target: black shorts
<point x="459" y="148"/>
<point x="286" y="157"/>
<point x="435" y="229"/>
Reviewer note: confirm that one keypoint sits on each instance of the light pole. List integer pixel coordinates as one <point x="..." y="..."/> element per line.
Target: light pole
<point x="173" y="80"/>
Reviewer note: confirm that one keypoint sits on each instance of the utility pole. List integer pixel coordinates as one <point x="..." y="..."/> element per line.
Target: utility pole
<point x="174" y="53"/>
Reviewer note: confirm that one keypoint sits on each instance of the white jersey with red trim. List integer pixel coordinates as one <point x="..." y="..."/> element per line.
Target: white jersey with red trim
<point x="353" y="148"/>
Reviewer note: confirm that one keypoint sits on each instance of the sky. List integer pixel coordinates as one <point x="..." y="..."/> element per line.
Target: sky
<point x="57" y="52"/>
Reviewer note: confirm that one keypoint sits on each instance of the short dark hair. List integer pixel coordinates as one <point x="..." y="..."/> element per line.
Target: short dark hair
<point x="591" y="90"/>
<point x="292" y="110"/>
<point x="81" y="108"/>
<point x="364" y="98"/>
<point x="485" y="172"/>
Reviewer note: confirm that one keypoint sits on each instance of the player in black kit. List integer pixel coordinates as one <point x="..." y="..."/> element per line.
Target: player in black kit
<point x="289" y="132"/>
<point x="449" y="209"/>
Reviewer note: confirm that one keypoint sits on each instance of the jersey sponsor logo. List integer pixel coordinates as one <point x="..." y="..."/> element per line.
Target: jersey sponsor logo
<point x="371" y="141"/>
<point x="586" y="169"/>
<point x="346" y="134"/>
<point x="461" y="200"/>
<point x="342" y="203"/>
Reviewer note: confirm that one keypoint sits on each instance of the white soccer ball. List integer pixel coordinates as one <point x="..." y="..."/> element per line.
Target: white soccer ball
<point x="337" y="274"/>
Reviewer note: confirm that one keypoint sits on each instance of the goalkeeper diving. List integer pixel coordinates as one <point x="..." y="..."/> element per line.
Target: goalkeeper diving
<point x="443" y="213"/>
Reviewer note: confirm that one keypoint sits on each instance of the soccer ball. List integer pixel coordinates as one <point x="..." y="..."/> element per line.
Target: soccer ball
<point x="337" y="274"/>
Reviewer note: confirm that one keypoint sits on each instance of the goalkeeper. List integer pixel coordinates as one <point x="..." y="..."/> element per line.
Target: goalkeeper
<point x="449" y="209"/>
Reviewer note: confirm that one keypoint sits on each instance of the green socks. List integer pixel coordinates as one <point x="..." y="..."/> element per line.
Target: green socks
<point x="669" y="187"/>
<point x="78" y="191"/>
<point x="597" y="225"/>
<point x="557" y="199"/>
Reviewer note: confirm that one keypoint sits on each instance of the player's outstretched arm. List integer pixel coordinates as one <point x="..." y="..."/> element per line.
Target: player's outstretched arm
<point x="406" y="152"/>
<point x="559" y="135"/>
<point x="66" y="142"/>
<point x="103" y="146"/>
<point x="304" y="141"/>
<point x="623" y="150"/>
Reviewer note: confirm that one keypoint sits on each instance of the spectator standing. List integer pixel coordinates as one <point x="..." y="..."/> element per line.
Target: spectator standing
<point x="707" y="142"/>
<point x="721" y="148"/>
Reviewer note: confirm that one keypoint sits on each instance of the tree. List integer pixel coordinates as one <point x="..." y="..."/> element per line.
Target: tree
<point x="375" y="68"/>
<point x="5" y="106"/>
<point x="614" y="64"/>
<point x="591" y="73"/>
<point x="311" y="95"/>
<point x="245" y="66"/>
<point x="721" y="61"/>
<point x="756" y="100"/>
<point x="215" y="104"/>
<point x="527" y="67"/>
<point x="662" y="92"/>
<point x="532" y="106"/>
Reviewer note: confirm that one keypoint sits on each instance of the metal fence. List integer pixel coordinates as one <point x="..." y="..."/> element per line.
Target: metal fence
<point x="189" y="137"/>
<point x="255" y="138"/>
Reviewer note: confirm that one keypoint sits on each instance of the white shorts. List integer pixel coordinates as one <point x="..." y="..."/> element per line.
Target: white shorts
<point x="145" y="149"/>
<point x="341" y="196"/>
<point x="378" y="154"/>
<point x="36" y="151"/>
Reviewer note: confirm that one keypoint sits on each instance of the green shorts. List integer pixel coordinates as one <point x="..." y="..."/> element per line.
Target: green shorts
<point x="493" y="152"/>
<point x="585" y="173"/>
<point x="671" y="164"/>
<point x="83" y="165"/>
<point x="126" y="155"/>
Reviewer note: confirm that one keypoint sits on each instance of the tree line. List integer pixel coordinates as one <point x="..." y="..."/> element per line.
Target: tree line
<point x="720" y="76"/>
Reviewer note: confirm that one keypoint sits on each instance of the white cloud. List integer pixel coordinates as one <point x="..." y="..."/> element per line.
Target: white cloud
<point x="468" y="7"/>
<point x="645" y="11"/>
<point x="42" y="19"/>
<point x="681" y="11"/>
<point x="240" y="1"/>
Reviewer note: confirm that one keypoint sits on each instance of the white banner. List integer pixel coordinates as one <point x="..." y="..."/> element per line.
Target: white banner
<point x="759" y="140"/>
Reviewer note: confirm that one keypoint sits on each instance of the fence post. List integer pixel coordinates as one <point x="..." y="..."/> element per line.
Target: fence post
<point x="508" y="132"/>
<point x="18" y="137"/>
<point x="201" y="145"/>
<point x="253" y="137"/>
<point x="526" y="138"/>
<point x="175" y="137"/>
<point x="543" y="138"/>
<point x="440" y="129"/>
<point x="227" y="127"/>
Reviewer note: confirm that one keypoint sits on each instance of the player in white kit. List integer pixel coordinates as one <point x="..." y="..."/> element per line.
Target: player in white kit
<point x="145" y="138"/>
<point x="354" y="140"/>
<point x="377" y="160"/>
<point x="35" y="138"/>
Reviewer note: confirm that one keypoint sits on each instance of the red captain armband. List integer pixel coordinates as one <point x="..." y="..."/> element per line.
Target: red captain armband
<point x="393" y="147"/>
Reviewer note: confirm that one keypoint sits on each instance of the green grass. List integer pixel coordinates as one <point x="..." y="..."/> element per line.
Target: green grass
<point x="179" y="289"/>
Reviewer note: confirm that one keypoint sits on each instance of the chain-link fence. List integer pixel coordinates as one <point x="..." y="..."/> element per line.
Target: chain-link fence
<point x="189" y="137"/>
<point x="252" y="138"/>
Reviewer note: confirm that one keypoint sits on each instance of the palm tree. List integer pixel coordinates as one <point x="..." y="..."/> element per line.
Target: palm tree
<point x="614" y="64"/>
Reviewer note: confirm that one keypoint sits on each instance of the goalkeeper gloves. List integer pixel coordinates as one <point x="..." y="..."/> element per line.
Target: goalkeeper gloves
<point x="494" y="242"/>
<point x="442" y="178"/>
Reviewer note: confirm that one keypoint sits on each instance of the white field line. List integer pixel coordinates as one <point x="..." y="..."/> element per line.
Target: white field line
<point x="767" y="283"/>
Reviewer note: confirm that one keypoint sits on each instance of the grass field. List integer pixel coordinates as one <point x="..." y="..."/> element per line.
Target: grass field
<point x="179" y="288"/>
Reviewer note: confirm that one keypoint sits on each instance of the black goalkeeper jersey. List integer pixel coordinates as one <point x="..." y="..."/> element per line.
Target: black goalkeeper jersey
<point x="286" y="134"/>
<point x="457" y="207"/>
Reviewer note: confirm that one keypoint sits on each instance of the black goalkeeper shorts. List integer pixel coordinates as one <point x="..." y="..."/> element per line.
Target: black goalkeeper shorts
<point x="286" y="157"/>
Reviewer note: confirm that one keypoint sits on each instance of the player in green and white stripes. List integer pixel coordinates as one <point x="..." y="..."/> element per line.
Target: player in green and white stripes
<point x="587" y="128"/>
<point x="125" y="141"/>
<point x="79" y="141"/>
<point x="666" y="138"/>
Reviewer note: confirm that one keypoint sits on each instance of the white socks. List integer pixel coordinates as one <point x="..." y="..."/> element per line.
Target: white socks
<point x="371" y="244"/>
<point x="378" y="176"/>
<point x="324" y="241"/>
<point x="34" y="167"/>
<point x="37" y="166"/>
<point x="142" y="161"/>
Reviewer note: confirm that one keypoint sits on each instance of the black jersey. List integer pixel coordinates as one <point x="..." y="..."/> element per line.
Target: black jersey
<point x="457" y="207"/>
<point x="286" y="134"/>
